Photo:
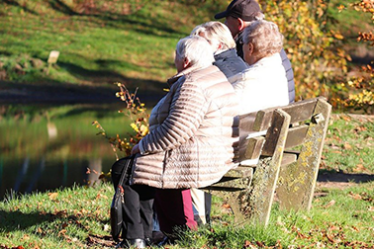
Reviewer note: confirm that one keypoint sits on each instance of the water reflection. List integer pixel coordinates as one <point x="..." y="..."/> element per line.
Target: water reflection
<point x="44" y="148"/>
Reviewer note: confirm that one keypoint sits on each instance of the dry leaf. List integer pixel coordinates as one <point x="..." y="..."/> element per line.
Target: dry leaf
<point x="347" y="146"/>
<point x="354" y="196"/>
<point x="359" y="168"/>
<point x="345" y="117"/>
<point x="225" y="205"/>
<point x="62" y="232"/>
<point x="331" y="203"/>
<point x="53" y="196"/>
<point x="332" y="228"/>
<point x="330" y="237"/>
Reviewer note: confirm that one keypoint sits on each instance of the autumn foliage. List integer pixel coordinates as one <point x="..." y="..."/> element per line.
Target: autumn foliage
<point x="135" y="111"/>
<point x="361" y="88"/>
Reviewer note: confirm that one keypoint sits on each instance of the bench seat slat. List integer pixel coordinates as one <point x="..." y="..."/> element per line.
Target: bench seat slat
<point x="240" y="172"/>
<point x="232" y="183"/>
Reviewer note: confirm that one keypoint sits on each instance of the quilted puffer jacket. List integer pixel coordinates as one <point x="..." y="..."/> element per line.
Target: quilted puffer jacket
<point x="192" y="132"/>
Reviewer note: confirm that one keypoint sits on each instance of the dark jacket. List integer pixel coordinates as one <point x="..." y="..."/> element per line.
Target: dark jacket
<point x="230" y="63"/>
<point x="285" y="62"/>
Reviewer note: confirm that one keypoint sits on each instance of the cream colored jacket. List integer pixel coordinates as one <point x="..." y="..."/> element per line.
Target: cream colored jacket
<point x="263" y="85"/>
<point x="190" y="144"/>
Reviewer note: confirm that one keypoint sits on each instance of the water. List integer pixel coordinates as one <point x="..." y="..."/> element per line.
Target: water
<point x="43" y="148"/>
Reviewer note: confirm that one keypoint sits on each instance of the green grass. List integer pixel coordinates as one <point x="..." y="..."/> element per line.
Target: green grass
<point x="349" y="145"/>
<point x="95" y="48"/>
<point x="79" y="216"/>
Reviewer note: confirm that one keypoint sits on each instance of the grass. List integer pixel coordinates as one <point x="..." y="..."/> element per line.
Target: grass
<point x="94" y="48"/>
<point x="78" y="217"/>
<point x="348" y="147"/>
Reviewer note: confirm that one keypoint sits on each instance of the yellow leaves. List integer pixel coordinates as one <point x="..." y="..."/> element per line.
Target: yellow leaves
<point x="341" y="8"/>
<point x="134" y="127"/>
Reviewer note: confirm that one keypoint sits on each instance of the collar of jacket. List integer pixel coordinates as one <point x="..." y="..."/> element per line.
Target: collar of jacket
<point x="186" y="71"/>
<point x="229" y="53"/>
<point x="268" y="62"/>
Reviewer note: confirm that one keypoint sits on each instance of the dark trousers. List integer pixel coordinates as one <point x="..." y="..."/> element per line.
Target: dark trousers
<point x="174" y="210"/>
<point x="138" y="210"/>
<point x="208" y="206"/>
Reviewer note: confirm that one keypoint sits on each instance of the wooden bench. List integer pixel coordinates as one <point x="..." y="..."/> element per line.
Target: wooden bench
<point x="289" y="152"/>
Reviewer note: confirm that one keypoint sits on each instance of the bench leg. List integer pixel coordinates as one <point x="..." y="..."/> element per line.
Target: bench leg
<point x="253" y="204"/>
<point x="297" y="180"/>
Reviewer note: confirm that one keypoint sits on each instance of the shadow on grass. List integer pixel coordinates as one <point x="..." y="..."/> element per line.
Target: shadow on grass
<point x="333" y="176"/>
<point x="23" y="6"/>
<point x="16" y="220"/>
<point x="115" y="20"/>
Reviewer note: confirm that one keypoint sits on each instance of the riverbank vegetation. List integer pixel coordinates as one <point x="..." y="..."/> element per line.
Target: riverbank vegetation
<point x="132" y="42"/>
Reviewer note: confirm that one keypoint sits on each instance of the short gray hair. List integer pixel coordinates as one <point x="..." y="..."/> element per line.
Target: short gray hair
<point x="265" y="38"/>
<point x="196" y="49"/>
<point x="215" y="33"/>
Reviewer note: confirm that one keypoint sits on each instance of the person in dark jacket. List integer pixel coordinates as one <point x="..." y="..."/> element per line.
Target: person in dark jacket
<point x="239" y="15"/>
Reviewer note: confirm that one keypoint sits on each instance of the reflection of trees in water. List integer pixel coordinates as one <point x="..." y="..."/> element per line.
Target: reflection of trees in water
<point x="52" y="130"/>
<point x="51" y="147"/>
<point x="22" y="173"/>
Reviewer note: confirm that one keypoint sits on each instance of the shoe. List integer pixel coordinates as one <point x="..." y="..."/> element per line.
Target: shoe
<point x="157" y="237"/>
<point x="166" y="241"/>
<point x="137" y="243"/>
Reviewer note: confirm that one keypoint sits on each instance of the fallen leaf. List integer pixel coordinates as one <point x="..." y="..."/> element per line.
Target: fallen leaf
<point x="371" y="209"/>
<point x="225" y="205"/>
<point x="331" y="203"/>
<point x="355" y="196"/>
<point x="336" y="152"/>
<point x="330" y="237"/>
<point x="332" y="228"/>
<point x="345" y="117"/>
<point x="359" y="168"/>
<point x="53" y="196"/>
<point x="347" y="146"/>
<point x="62" y="232"/>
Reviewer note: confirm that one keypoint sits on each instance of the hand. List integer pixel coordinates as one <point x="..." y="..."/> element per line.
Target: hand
<point x="135" y="149"/>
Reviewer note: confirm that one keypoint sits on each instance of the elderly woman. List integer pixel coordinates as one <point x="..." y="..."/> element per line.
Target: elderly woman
<point x="264" y="83"/>
<point x="224" y="47"/>
<point x="190" y="144"/>
<point x="227" y="60"/>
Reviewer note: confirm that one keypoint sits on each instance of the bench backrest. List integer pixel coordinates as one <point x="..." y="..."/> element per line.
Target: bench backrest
<point x="302" y="114"/>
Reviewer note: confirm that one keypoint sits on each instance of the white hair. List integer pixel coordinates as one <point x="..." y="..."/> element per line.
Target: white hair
<point x="216" y="33"/>
<point x="196" y="49"/>
<point x="265" y="38"/>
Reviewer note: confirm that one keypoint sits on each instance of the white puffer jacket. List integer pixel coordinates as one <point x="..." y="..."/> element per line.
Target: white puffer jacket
<point x="192" y="132"/>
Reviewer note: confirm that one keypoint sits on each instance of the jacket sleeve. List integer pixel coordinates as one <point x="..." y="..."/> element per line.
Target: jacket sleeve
<point x="186" y="113"/>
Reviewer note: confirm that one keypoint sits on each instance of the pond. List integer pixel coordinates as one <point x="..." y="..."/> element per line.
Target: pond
<point x="44" y="147"/>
